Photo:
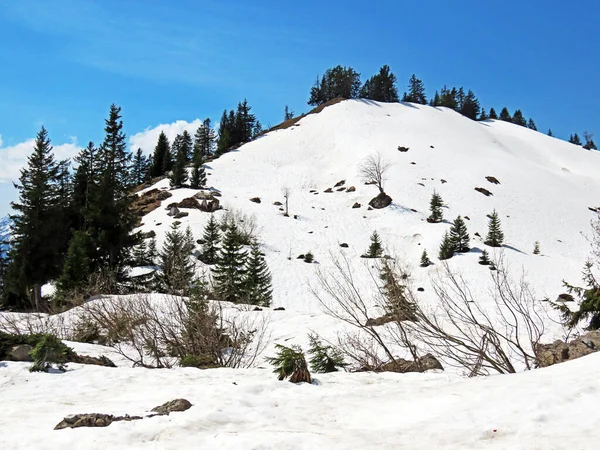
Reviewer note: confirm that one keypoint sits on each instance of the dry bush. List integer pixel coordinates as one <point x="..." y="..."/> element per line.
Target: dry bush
<point x="161" y="334"/>
<point x="373" y="170"/>
<point x="246" y="224"/>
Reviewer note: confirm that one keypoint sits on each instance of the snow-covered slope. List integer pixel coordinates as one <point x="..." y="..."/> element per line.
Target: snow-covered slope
<point x="546" y="186"/>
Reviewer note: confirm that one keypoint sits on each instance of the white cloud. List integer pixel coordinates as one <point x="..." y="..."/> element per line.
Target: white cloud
<point x="146" y="140"/>
<point x="0" y="140"/>
<point x="13" y="158"/>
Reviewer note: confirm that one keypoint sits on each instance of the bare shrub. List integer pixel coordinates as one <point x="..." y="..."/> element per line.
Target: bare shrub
<point x="373" y="170"/>
<point x="287" y="193"/>
<point x="246" y="225"/>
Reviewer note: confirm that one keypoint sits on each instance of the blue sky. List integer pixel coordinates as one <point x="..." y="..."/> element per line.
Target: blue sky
<point x="64" y="61"/>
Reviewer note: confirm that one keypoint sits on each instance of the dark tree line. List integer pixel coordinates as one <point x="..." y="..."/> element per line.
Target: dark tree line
<point x="237" y="127"/>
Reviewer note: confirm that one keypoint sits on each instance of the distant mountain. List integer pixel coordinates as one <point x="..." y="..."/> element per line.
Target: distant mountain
<point x="5" y="225"/>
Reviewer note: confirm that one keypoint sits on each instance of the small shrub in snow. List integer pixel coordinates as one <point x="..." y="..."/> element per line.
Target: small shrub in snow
<point x="425" y="261"/>
<point x="375" y="248"/>
<point x="48" y="351"/>
<point x="290" y="362"/>
<point x="536" y="248"/>
<point x="325" y="358"/>
<point x="309" y="257"/>
<point x="435" y="206"/>
<point x="484" y="259"/>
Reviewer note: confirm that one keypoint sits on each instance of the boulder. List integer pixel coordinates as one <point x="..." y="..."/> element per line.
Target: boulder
<point x="280" y="308"/>
<point x="356" y="205"/>
<point x="422" y="364"/>
<point x="177" y="405"/>
<point x="344" y="245"/>
<point x="565" y="298"/>
<point x="255" y="199"/>
<point x="20" y="353"/>
<point x="351" y="189"/>
<point x="328" y="190"/>
<point x="180" y="215"/>
<point x="339" y="183"/>
<point x="189" y="203"/>
<point x="381" y="201"/>
<point x="173" y="211"/>
<point x="484" y="191"/>
<point x="341" y="189"/>
<point x="492" y="180"/>
<point x="559" y="351"/>
<point x="277" y="203"/>
<point x="402" y="149"/>
<point x="92" y="420"/>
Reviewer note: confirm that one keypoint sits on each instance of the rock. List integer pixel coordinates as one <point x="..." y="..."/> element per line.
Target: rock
<point x="369" y="209"/>
<point x="177" y="405"/>
<point x="180" y="215"/>
<point x="255" y="199"/>
<point x="344" y="245"/>
<point x="277" y="203"/>
<point x="492" y="180"/>
<point x="420" y="289"/>
<point x="351" y="189"/>
<point x="339" y="183"/>
<point x="173" y="211"/>
<point x="413" y="163"/>
<point x="296" y="216"/>
<point x="189" y="203"/>
<point x="431" y="146"/>
<point x="300" y="256"/>
<point x="92" y="420"/>
<point x="92" y="360"/>
<point x="257" y="309"/>
<point x="477" y="234"/>
<point x="403" y="149"/>
<point x="312" y="191"/>
<point x="328" y="190"/>
<point x="149" y="201"/>
<point x="443" y="181"/>
<point x="565" y="298"/>
<point x="422" y="364"/>
<point x="484" y="191"/>
<point x="356" y="205"/>
<point x="341" y="189"/>
<point x="20" y="353"/>
<point x="559" y="351"/>
<point x="467" y="218"/>
<point x="421" y="184"/>
<point x="381" y="201"/>
<point x="280" y="308"/>
<point x="208" y="201"/>
<point x="413" y="210"/>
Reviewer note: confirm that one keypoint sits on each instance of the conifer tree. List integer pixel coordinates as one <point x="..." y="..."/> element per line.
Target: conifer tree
<point x="531" y="125"/>
<point x="484" y="259"/>
<point x="425" y="261"/>
<point x="288" y="114"/>
<point x="110" y="218"/>
<point x="448" y="98"/>
<point x="446" y="248"/>
<point x="459" y="237"/>
<point x="176" y="261"/>
<point x="518" y="118"/>
<point x="493" y="114"/>
<point x="325" y="358"/>
<point x="574" y="139"/>
<point x="162" y="158"/>
<point x="140" y="168"/>
<point x="290" y="362"/>
<point x="589" y="142"/>
<point x="179" y="175"/>
<point x="416" y="91"/>
<point x="505" y="115"/>
<point x="536" y="248"/>
<point x="435" y="206"/>
<point x="152" y="252"/>
<point x="229" y="275"/>
<point x="550" y="132"/>
<point x="225" y="140"/>
<point x="435" y="101"/>
<point x="140" y="254"/>
<point x="381" y="87"/>
<point x="198" y="179"/>
<point x="483" y="115"/>
<point x="470" y="106"/>
<point x="204" y="140"/>
<point x="35" y="254"/>
<point x="375" y="248"/>
<point x="337" y="82"/>
<point x="211" y="238"/>
<point x="258" y="278"/>
<point x="76" y="268"/>
<point x="495" y="236"/>
<point x="85" y="182"/>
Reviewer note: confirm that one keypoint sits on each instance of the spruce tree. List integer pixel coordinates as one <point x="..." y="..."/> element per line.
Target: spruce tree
<point x="435" y="101"/>
<point x="589" y="142"/>
<point x="446" y="247"/>
<point x="574" y="139"/>
<point x="550" y="132"/>
<point x="505" y="115"/>
<point x="324" y="358"/>
<point x="518" y="118"/>
<point x="337" y="82"/>
<point x="258" y="278"/>
<point x="375" y="248"/>
<point x="531" y="125"/>
<point x="229" y="275"/>
<point x="448" y="98"/>
<point x="179" y="175"/>
<point x="35" y="242"/>
<point x="85" y="183"/>
<point x="483" y="115"/>
<point x="288" y="114"/>
<point x="435" y="205"/>
<point x="381" y="87"/>
<point x="152" y="252"/>
<point x="495" y="236"/>
<point x="176" y="261"/>
<point x="484" y="259"/>
<point x="459" y="237"/>
<point x="416" y="91"/>
<point x="225" y="139"/>
<point x="425" y="261"/>
<point x="204" y="140"/>
<point x="198" y="178"/>
<point x="161" y="159"/>
<point x="470" y="106"/>
<point x="140" y="254"/>
<point x="140" y="168"/>
<point x="493" y="114"/>
<point x="77" y="265"/>
<point x="211" y="238"/>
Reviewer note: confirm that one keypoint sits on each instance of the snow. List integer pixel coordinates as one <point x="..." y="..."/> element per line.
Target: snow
<point x="546" y="186"/>
<point x="250" y="409"/>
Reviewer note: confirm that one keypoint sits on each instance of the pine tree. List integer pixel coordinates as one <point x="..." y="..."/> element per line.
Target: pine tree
<point x="448" y="98"/>
<point x="435" y="101"/>
<point x="493" y="114"/>
<point x="574" y="139"/>
<point x="35" y="249"/>
<point x="290" y="362"/>
<point x="110" y="219"/>
<point x="140" y="168"/>
<point x="470" y="106"/>
<point x="229" y="275"/>
<point x="459" y="237"/>
<point x="224" y="142"/>
<point x="589" y="306"/>
<point x="179" y="175"/>
<point x="162" y="158"/>
<point x="198" y="179"/>
<point x="505" y="115"/>
<point x="536" y="248"/>
<point x="550" y="132"/>
<point x="204" y="141"/>
<point x="176" y="261"/>
<point x="483" y="115"/>
<point x="435" y="206"/>
<point x="531" y="125"/>
<point x="425" y="261"/>
<point x="76" y="268"/>
<point x="518" y="118"/>
<point x="416" y="91"/>
<point x="258" y="278"/>
<point x="446" y="248"/>
<point x="484" y="259"/>
<point x="375" y="248"/>
<point x="495" y="236"/>
<point x="381" y="87"/>
<point x="211" y="238"/>
<point x="288" y="114"/>
<point x="337" y="82"/>
<point x="140" y="254"/>
<point x="325" y="358"/>
<point x="589" y="142"/>
<point x="152" y="252"/>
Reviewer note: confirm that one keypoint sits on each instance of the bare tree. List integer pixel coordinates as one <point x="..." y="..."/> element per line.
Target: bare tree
<point x="373" y="170"/>
<point x="287" y="193"/>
